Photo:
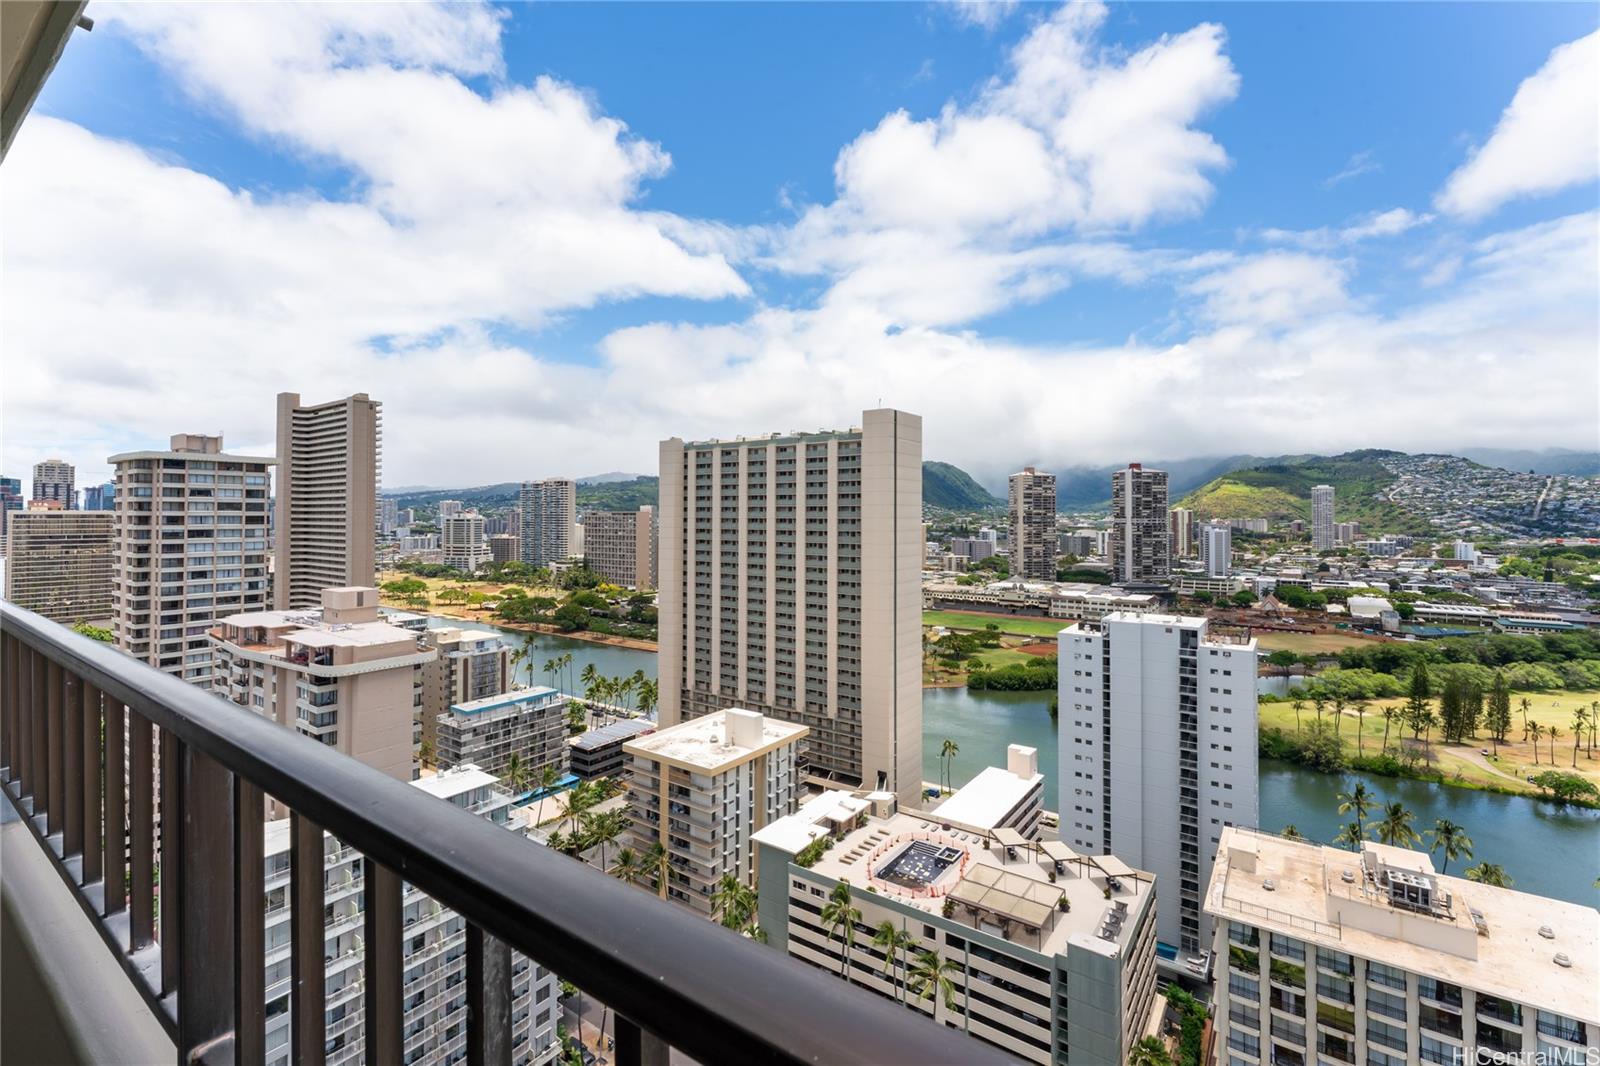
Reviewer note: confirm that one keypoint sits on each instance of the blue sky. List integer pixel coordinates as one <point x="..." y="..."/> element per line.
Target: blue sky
<point x="1205" y="294"/>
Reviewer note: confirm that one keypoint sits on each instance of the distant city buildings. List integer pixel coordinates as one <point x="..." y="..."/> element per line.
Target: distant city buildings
<point x="1140" y="541"/>
<point x="1216" y="548"/>
<point x="1327" y="955"/>
<point x="1031" y="500"/>
<point x="448" y="508"/>
<point x="549" y="510"/>
<point x="702" y="788"/>
<point x="59" y="564"/>
<point x="530" y="723"/>
<point x="620" y="546"/>
<point x="326" y="517"/>
<point x="791" y="571"/>
<point x="100" y="497"/>
<point x="190" y="546"/>
<point x="1158" y="751"/>
<point x="1073" y="601"/>
<point x="341" y="676"/>
<point x="1322" y="532"/>
<point x="1183" y="533"/>
<point x="10" y="500"/>
<point x="388" y="515"/>
<point x="503" y="547"/>
<point x="461" y="539"/>
<point x="973" y="549"/>
<point x="1345" y="533"/>
<point x="53" y="480"/>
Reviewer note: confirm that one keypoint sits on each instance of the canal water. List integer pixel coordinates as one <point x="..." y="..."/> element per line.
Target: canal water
<point x="1547" y="850"/>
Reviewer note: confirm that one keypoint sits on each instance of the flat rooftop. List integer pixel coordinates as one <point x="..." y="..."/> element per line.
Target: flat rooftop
<point x="1488" y="940"/>
<point x="612" y="733"/>
<point x="710" y="743"/>
<point x="917" y="854"/>
<point x="505" y="699"/>
<point x="982" y="802"/>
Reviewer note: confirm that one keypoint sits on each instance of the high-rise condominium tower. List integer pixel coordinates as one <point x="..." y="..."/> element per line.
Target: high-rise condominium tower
<point x="1182" y="530"/>
<point x="329" y="457"/>
<point x="1159" y="716"/>
<point x="10" y="500"/>
<point x="58" y="563"/>
<point x="1032" y="499"/>
<point x="53" y="480"/>
<point x="620" y="546"/>
<point x="549" y="511"/>
<point x="1140" y="542"/>
<point x="1322" y="531"/>
<point x="461" y="537"/>
<point x="1216" y="548"/>
<point x="790" y="584"/>
<point x="190" y="542"/>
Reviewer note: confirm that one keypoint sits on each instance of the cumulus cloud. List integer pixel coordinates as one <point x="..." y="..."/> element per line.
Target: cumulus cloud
<point x="1375" y="225"/>
<point x="1548" y="138"/>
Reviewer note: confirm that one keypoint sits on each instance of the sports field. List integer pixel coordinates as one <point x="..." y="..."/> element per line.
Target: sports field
<point x="1023" y="627"/>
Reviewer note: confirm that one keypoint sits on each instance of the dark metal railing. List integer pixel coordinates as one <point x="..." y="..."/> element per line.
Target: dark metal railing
<point x="148" y="794"/>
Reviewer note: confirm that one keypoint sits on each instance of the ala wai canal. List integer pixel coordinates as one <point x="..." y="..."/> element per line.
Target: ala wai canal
<point x="1548" y="850"/>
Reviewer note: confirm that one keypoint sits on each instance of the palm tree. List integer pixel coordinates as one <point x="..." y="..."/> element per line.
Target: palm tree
<point x="838" y="912"/>
<point x="1389" y="715"/>
<point x="517" y="774"/>
<point x="1298" y="705"/>
<point x="1361" y="715"/>
<point x="1320" y="702"/>
<point x="657" y="863"/>
<point x="728" y="903"/>
<point x="1291" y="832"/>
<point x="1357" y="801"/>
<point x="425" y="753"/>
<point x="516" y="657"/>
<point x="1349" y="837"/>
<point x="550" y="671"/>
<point x="1524" y="705"/>
<point x="1580" y="724"/>
<point x="1429" y="721"/>
<point x="1338" y="712"/>
<point x="605" y="827"/>
<point x="1452" y="840"/>
<point x="529" y="645"/>
<point x="589" y="677"/>
<point x="649" y="696"/>
<point x="1395" y="827"/>
<point x="580" y="801"/>
<point x="1553" y="732"/>
<point x="566" y="664"/>
<point x="948" y="753"/>
<point x="1533" y="732"/>
<point x="1488" y="873"/>
<point x="1149" y="1052"/>
<point x="929" y="978"/>
<point x="627" y="868"/>
<point x="894" y="943"/>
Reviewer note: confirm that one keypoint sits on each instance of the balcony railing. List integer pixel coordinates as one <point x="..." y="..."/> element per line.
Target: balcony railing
<point x="91" y="741"/>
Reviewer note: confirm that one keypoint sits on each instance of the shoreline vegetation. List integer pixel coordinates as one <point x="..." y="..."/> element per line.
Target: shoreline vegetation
<point x="478" y="615"/>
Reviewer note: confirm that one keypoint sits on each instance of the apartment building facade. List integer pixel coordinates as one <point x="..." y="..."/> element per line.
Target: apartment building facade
<point x="1372" y="958"/>
<point x="1157" y="730"/>
<point x="548" y="511"/>
<point x="189" y="547"/>
<point x="790" y="577"/>
<point x="702" y="788"/>
<point x="10" y="500"/>
<point x="1182" y="529"/>
<point x="1054" y="953"/>
<point x="530" y="723"/>
<point x="1031" y="502"/>
<point x="54" y="480"/>
<point x="472" y="664"/>
<point x="330" y="457"/>
<point x="1216" y="548"/>
<point x="1323" y="534"/>
<point x="59" y="564"/>
<point x="1140" y="544"/>
<point x="341" y="676"/>
<point x="462" y="540"/>
<point x="620" y="546"/>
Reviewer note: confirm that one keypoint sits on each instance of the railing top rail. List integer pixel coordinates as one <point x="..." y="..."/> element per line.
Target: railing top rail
<point x="697" y="986"/>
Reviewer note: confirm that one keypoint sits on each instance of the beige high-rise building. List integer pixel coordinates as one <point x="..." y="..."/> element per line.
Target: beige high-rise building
<point x="620" y="546"/>
<point x="790" y="584"/>
<point x="549" y="510"/>
<point x="190" y="546"/>
<point x="340" y="676"/>
<point x="1323" y="534"/>
<point x="461" y="538"/>
<point x="329" y="459"/>
<point x="472" y="664"/>
<point x="1032" y="499"/>
<point x="1141" y="535"/>
<point x="53" y="480"/>
<point x="58" y="564"/>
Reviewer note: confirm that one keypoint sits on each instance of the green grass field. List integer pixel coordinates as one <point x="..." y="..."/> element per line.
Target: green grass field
<point x="1308" y="643"/>
<point x="1023" y="627"/>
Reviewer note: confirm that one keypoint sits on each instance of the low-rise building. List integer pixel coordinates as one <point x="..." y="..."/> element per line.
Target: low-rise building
<point x="1050" y="955"/>
<point x="1072" y="600"/>
<point x="529" y="723"/>
<point x="1326" y="955"/>
<point x="472" y="664"/>
<point x="703" y="787"/>
<point x="598" y="752"/>
<point x="1000" y="797"/>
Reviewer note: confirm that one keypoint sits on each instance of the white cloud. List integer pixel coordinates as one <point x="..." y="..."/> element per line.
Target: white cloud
<point x="1548" y="138"/>
<point x="1360" y="163"/>
<point x="1377" y="224"/>
<point x="987" y="14"/>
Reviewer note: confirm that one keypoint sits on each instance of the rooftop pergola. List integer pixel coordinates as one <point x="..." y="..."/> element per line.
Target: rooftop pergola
<point x="1009" y="897"/>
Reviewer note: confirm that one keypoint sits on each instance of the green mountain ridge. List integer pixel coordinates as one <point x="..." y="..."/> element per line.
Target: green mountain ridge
<point x="1280" y="489"/>
<point x="953" y="489"/>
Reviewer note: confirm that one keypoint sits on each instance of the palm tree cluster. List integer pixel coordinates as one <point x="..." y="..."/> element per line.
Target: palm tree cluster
<point x="733" y="903"/>
<point x="1396" y="826"/>
<point x="587" y="828"/>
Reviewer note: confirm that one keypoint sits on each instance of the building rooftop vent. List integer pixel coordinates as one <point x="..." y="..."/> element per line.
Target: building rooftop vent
<point x="1269" y="885"/>
<point x="1547" y="932"/>
<point x="1563" y="961"/>
<point x="1348" y="877"/>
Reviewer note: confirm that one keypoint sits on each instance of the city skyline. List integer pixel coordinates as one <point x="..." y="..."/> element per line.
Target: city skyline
<point x="1443" y="238"/>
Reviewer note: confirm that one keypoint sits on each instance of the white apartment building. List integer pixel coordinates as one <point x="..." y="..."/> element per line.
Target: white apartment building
<point x="1054" y="952"/>
<point x="530" y="723"/>
<point x="1328" y="956"/>
<point x="1074" y="600"/>
<point x="1140" y="544"/>
<point x="1157" y="728"/>
<point x="461" y="538"/>
<point x="388" y="515"/>
<point x="472" y="664"/>
<point x="190" y="546"/>
<point x="1322" y="531"/>
<point x="53" y="480"/>
<point x="703" y="788"/>
<point x="1183" y="532"/>
<point x="549" y="511"/>
<point x="791" y="570"/>
<point x="59" y="564"/>
<point x="449" y="507"/>
<point x="435" y="1020"/>
<point x="620" y="546"/>
<point x="1000" y="797"/>
<point x="1216" y="548"/>
<point x="340" y="676"/>
<point x="1031" y="502"/>
<point x="330" y="456"/>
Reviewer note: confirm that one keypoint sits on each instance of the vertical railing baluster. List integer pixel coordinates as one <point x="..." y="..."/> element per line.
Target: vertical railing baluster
<point x="488" y="999"/>
<point x="31" y="693"/>
<point x="116" y="854"/>
<point x="384" y="966"/>
<point x="72" y="767"/>
<point x="249" y="857"/>
<point x="308" y="970"/>
<point x="55" y="784"/>
<point x="169" y="898"/>
<point x="93" y="743"/>
<point x="8" y="704"/>
<point x="198" y="927"/>
<point x="141" y="794"/>
<point x="634" y="1046"/>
